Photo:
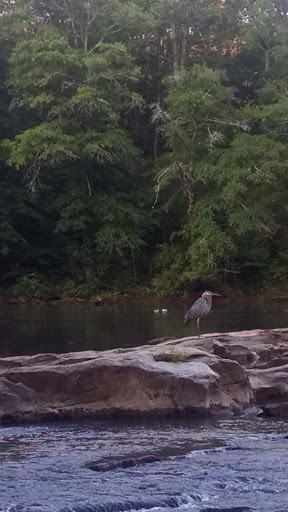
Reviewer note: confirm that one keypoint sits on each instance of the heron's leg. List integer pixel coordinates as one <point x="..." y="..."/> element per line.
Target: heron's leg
<point x="198" y="326"/>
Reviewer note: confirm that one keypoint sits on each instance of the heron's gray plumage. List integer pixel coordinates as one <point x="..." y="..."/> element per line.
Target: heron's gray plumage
<point x="201" y="307"/>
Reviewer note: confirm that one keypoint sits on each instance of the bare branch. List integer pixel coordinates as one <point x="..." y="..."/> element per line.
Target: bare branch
<point x="157" y="188"/>
<point x="89" y="186"/>
<point x="243" y="125"/>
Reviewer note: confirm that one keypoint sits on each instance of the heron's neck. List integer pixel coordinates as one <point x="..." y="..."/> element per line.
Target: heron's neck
<point x="208" y="299"/>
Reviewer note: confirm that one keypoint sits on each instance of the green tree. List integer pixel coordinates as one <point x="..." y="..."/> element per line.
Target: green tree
<point x="79" y="99"/>
<point x="98" y="98"/>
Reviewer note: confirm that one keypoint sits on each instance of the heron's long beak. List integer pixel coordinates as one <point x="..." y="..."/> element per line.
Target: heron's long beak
<point x="216" y="294"/>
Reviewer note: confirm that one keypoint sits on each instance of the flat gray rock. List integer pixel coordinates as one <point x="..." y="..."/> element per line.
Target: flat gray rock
<point x="219" y="373"/>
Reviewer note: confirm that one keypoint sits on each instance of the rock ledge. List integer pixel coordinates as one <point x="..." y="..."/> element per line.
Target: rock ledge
<point x="219" y="374"/>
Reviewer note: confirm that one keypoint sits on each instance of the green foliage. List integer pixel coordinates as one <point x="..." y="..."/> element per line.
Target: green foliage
<point x="199" y="106"/>
<point x="142" y="143"/>
<point x="36" y="146"/>
<point x="30" y="285"/>
<point x="80" y="119"/>
<point x="169" y="267"/>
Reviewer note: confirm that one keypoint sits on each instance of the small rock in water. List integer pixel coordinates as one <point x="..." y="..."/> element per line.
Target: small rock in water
<point x="122" y="464"/>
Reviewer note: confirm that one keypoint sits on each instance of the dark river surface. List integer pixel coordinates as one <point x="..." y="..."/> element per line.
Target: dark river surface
<point x="64" y="328"/>
<point x="226" y="465"/>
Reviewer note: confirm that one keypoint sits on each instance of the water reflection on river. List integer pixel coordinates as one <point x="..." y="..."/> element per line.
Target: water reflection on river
<point x="44" y="328"/>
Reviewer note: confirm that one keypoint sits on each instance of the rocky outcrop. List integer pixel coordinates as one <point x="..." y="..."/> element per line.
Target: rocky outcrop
<point x="220" y="373"/>
<point x="121" y="382"/>
<point x="265" y="355"/>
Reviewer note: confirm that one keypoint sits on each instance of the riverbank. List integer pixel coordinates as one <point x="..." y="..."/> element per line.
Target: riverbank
<point x="277" y="292"/>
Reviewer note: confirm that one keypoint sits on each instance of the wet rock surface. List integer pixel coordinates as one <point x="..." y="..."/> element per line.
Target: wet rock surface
<point x="218" y="373"/>
<point x="123" y="463"/>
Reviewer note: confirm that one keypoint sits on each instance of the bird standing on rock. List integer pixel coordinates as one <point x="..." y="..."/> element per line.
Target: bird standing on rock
<point x="201" y="307"/>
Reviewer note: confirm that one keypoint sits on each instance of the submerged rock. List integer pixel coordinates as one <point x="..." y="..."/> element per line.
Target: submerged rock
<point x="123" y="463"/>
<point x="220" y="373"/>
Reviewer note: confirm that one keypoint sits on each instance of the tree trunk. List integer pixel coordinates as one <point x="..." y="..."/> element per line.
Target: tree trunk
<point x="264" y="45"/>
<point x="175" y="48"/>
<point x="69" y="9"/>
<point x="184" y="48"/>
<point x="267" y="58"/>
<point x="134" y="266"/>
<point x="155" y="141"/>
<point x="85" y="41"/>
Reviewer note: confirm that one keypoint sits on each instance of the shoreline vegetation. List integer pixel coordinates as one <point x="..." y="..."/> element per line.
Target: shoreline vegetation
<point x="228" y="295"/>
<point x="143" y="148"/>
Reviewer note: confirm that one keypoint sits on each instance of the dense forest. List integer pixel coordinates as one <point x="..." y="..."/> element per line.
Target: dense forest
<point x="144" y="145"/>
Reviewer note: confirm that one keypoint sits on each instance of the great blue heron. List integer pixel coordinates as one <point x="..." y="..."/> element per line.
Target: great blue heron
<point x="201" y="307"/>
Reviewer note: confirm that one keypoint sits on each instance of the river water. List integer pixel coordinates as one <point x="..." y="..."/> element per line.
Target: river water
<point x="226" y="465"/>
<point x="64" y="328"/>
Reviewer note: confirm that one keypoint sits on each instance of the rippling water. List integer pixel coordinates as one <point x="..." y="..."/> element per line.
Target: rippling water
<point x="229" y="465"/>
